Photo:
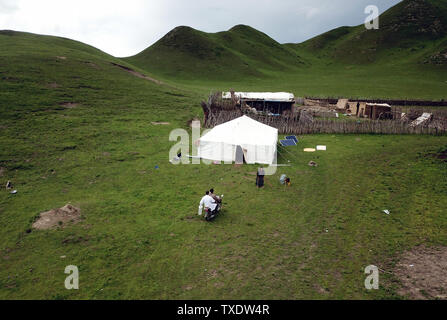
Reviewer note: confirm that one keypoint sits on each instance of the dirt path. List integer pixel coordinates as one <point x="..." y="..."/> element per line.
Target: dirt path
<point x="137" y="74"/>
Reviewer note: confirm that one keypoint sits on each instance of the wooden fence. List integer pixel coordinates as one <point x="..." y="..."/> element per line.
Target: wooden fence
<point x="300" y="123"/>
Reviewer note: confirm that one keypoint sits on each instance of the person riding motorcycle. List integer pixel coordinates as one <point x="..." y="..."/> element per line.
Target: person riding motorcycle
<point x="211" y="207"/>
<point x="216" y="198"/>
<point x="208" y="202"/>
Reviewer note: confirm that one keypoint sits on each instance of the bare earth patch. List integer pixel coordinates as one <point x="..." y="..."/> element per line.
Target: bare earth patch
<point x="161" y="123"/>
<point x="91" y="64"/>
<point x="57" y="217"/>
<point x="61" y="58"/>
<point x="442" y="155"/>
<point x="422" y="272"/>
<point x="53" y="85"/>
<point x="69" y="105"/>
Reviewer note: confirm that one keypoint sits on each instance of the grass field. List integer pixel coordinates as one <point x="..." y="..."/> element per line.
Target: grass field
<point x="76" y="128"/>
<point x="140" y="236"/>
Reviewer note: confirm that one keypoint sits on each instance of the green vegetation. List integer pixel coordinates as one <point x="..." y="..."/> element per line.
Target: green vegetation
<point x="76" y="128"/>
<point x="409" y="33"/>
<point x="240" y="52"/>
<point x="404" y="59"/>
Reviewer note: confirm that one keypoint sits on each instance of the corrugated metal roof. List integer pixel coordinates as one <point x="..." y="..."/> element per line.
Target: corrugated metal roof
<point x="267" y="96"/>
<point x="378" y="104"/>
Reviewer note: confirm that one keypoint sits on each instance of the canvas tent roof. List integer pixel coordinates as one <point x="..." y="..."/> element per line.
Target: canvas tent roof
<point x="256" y="139"/>
<point x="267" y="96"/>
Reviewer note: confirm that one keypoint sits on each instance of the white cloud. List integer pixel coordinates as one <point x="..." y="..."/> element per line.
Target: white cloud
<point x="7" y="6"/>
<point x="124" y="28"/>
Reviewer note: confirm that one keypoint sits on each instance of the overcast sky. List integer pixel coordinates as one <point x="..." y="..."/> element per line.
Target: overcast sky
<point x="126" y="27"/>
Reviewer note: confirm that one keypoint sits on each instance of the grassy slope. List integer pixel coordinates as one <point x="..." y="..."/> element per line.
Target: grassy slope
<point x="240" y="52"/>
<point x="407" y="34"/>
<point x="352" y="62"/>
<point x="140" y="238"/>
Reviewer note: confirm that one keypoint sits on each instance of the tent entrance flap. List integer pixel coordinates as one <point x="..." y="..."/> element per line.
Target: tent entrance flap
<point x="241" y="155"/>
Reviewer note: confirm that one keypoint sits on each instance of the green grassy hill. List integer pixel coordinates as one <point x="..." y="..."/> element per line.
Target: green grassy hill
<point x="44" y="72"/>
<point x="404" y="59"/>
<point x="413" y="31"/>
<point x="240" y="52"/>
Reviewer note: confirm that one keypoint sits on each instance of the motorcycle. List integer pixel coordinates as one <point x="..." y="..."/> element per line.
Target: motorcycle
<point x="210" y="215"/>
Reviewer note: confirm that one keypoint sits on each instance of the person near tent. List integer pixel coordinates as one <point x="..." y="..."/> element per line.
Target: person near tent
<point x="284" y="180"/>
<point x="207" y="202"/>
<point x="260" y="178"/>
<point x="216" y="198"/>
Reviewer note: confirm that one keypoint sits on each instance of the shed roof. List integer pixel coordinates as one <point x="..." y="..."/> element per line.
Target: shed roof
<point x="266" y="96"/>
<point x="378" y="104"/>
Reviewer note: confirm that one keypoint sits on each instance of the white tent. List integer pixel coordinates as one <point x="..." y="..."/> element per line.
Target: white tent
<point x="228" y="141"/>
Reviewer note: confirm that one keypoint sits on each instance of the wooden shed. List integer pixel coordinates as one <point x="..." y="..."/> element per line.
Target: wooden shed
<point x="378" y="111"/>
<point x="274" y="103"/>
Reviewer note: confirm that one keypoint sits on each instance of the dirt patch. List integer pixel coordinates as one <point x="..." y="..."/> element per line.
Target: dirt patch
<point x="212" y="274"/>
<point x="137" y="74"/>
<point x="442" y="155"/>
<point x="61" y="58"/>
<point x="160" y="123"/>
<point x="320" y="289"/>
<point x="2" y="171"/>
<point x="57" y="217"/>
<point x="422" y="273"/>
<point x="74" y="240"/>
<point x="69" y="105"/>
<point x="91" y="64"/>
<point x="53" y="85"/>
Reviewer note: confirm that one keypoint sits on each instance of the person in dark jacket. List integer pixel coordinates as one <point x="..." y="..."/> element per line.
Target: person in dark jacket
<point x="216" y="198"/>
<point x="260" y="177"/>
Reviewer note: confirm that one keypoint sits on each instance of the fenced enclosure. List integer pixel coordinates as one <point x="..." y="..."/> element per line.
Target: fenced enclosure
<point x="296" y="125"/>
<point x="218" y="111"/>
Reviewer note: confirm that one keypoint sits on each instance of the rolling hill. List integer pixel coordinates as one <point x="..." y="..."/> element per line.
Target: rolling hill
<point x="46" y="72"/>
<point x="405" y="58"/>
<point x="241" y="51"/>
<point x="411" y="33"/>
